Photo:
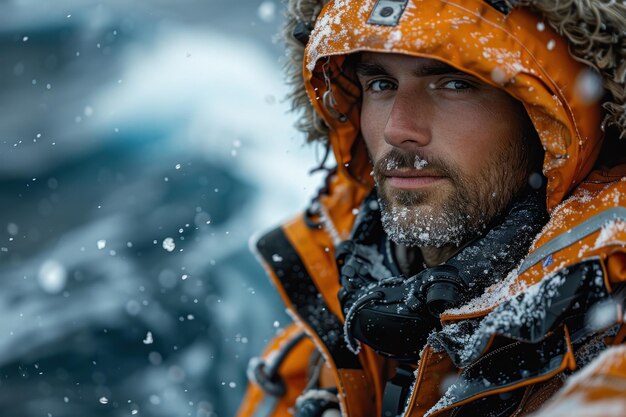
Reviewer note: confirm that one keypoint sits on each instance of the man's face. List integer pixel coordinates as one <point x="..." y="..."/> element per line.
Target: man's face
<point x="449" y="151"/>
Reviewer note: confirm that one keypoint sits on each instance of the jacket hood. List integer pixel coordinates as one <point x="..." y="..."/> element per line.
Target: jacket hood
<point x="546" y="54"/>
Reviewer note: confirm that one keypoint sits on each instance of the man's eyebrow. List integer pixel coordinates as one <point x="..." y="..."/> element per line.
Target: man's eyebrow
<point x="437" y="68"/>
<point x="369" y="69"/>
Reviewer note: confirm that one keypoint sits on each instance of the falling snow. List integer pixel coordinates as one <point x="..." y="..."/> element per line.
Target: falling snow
<point x="148" y="340"/>
<point x="52" y="276"/>
<point x="267" y="11"/>
<point x="168" y="244"/>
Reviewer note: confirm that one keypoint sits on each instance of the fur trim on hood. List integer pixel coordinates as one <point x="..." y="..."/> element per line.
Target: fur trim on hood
<point x="303" y="13"/>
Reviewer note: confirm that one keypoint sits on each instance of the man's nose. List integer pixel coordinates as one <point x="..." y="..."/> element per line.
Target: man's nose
<point x="408" y="124"/>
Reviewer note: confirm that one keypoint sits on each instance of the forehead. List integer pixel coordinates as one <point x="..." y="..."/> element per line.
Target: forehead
<point x="419" y="65"/>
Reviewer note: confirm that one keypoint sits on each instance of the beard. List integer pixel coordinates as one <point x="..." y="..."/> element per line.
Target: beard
<point x="458" y="210"/>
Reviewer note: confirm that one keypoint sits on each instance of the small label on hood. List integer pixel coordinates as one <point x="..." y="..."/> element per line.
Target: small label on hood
<point x="387" y="12"/>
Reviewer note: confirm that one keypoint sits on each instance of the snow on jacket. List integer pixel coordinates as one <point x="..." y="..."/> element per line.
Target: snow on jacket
<point x="526" y="338"/>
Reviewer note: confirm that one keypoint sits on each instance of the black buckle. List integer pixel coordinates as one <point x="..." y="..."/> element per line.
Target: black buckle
<point x="302" y="32"/>
<point x="396" y="392"/>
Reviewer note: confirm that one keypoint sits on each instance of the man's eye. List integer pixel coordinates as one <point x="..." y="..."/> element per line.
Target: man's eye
<point x="457" y="85"/>
<point x="378" y="86"/>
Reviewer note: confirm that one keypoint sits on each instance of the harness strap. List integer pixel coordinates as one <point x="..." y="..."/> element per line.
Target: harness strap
<point x="264" y="373"/>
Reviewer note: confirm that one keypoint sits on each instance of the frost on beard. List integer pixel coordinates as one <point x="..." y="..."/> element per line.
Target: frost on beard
<point x="420" y="226"/>
<point x="419" y="162"/>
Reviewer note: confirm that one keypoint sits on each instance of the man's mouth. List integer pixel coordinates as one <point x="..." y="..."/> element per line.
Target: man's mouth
<point x="409" y="178"/>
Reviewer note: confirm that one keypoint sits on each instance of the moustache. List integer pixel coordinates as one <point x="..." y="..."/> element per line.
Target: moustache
<point x="397" y="159"/>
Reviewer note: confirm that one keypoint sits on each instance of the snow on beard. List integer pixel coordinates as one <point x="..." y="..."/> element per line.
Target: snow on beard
<point x="447" y="214"/>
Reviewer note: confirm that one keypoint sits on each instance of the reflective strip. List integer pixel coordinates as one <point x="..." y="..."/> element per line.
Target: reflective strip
<point x="574" y="235"/>
<point x="267" y="407"/>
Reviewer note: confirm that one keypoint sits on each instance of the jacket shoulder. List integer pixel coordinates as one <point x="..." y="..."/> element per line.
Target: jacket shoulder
<point x="599" y="389"/>
<point x="589" y="224"/>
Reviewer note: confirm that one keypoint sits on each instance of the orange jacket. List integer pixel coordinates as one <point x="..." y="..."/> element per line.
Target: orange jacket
<point x="580" y="252"/>
<point x="590" y="225"/>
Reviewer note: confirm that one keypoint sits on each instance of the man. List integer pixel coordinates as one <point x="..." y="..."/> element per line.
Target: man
<point x="438" y="273"/>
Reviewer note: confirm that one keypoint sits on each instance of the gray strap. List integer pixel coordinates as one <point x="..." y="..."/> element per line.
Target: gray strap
<point x="573" y="235"/>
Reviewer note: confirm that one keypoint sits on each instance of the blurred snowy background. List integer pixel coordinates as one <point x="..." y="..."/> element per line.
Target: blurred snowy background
<point x="141" y="144"/>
